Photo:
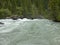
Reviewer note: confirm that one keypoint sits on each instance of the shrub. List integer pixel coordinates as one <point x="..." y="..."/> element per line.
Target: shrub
<point x="4" y="13"/>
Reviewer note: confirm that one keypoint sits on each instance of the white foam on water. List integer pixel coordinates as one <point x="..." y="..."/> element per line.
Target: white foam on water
<point x="10" y="24"/>
<point x="29" y="32"/>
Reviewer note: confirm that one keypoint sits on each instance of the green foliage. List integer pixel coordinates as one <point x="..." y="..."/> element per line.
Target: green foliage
<point x="19" y="10"/>
<point x="54" y="9"/>
<point x="31" y="8"/>
<point x="4" y="13"/>
<point x="34" y="11"/>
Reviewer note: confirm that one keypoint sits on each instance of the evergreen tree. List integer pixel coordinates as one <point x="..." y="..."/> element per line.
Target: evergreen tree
<point x="54" y="9"/>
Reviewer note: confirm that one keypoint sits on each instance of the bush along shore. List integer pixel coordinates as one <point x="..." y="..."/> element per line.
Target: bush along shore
<point x="49" y="9"/>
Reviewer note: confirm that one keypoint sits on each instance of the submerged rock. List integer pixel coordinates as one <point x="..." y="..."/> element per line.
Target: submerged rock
<point x="1" y="23"/>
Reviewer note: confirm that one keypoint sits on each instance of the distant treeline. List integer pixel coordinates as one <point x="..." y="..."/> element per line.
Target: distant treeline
<point x="30" y="8"/>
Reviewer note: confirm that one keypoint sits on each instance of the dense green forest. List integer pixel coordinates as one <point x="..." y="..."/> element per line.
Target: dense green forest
<point x="30" y="8"/>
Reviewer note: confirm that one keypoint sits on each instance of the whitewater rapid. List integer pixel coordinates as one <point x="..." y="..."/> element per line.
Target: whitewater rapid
<point x="29" y="32"/>
<point x="9" y="24"/>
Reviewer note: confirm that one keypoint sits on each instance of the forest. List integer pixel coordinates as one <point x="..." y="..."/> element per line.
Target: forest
<point x="49" y="9"/>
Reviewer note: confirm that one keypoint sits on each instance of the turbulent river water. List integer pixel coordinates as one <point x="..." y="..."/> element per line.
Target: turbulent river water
<point x="29" y="32"/>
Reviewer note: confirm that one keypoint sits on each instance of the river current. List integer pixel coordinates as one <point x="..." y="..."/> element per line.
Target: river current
<point x="29" y="32"/>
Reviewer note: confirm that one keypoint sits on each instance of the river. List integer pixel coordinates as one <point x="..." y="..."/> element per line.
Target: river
<point x="29" y="32"/>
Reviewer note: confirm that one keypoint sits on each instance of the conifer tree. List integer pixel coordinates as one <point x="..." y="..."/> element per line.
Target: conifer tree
<point x="54" y="9"/>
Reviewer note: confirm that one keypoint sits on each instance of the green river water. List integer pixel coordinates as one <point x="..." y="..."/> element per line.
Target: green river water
<point x="29" y="32"/>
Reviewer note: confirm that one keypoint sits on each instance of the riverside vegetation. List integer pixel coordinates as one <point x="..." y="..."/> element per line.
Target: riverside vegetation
<point x="49" y="9"/>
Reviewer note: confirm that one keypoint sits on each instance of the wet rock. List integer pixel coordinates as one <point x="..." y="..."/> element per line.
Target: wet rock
<point x="14" y="17"/>
<point x="8" y="18"/>
<point x="56" y="20"/>
<point x="1" y="23"/>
